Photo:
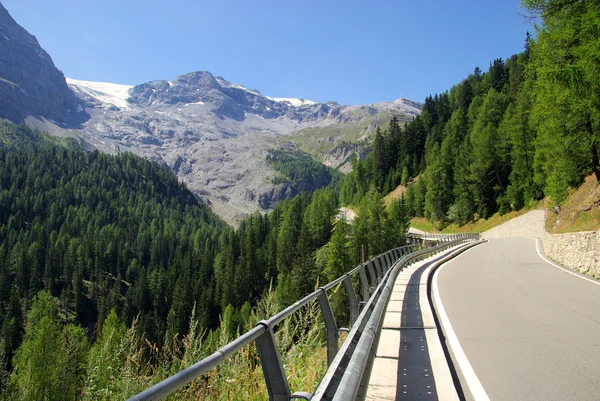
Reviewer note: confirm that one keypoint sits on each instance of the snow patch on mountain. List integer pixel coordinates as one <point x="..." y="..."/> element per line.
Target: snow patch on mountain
<point x="294" y="101"/>
<point x="105" y="92"/>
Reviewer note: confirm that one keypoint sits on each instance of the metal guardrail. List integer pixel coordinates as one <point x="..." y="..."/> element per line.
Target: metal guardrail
<point x="347" y="377"/>
<point x="350" y="367"/>
<point x="434" y="236"/>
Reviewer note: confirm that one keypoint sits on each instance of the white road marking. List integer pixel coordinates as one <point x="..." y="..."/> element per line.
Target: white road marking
<point x="537" y="248"/>
<point x="477" y="390"/>
<point x="439" y="365"/>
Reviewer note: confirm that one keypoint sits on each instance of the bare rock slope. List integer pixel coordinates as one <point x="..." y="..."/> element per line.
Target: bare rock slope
<point x="30" y="84"/>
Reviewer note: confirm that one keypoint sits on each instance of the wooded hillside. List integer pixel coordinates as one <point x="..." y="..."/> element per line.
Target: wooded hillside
<point x="499" y="140"/>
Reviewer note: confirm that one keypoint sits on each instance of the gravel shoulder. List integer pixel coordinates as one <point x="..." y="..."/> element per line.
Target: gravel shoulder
<point x="528" y="225"/>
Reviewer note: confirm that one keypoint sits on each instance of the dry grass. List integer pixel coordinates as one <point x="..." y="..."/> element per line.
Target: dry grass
<point x="580" y="212"/>
<point x="421" y="223"/>
<point x="395" y="194"/>
<point x="301" y="342"/>
<point x="482" y="225"/>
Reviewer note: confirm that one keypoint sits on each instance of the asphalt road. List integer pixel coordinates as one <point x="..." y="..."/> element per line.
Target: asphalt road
<point x="529" y="330"/>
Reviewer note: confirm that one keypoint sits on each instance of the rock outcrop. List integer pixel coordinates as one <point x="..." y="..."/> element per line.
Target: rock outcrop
<point x="30" y="84"/>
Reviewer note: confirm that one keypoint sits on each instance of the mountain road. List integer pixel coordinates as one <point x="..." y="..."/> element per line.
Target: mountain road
<point x="528" y="328"/>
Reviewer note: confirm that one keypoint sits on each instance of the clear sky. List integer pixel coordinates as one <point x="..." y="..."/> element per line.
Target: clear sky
<point x="353" y="52"/>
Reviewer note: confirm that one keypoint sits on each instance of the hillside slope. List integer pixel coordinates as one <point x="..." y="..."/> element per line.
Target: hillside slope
<point x="580" y="211"/>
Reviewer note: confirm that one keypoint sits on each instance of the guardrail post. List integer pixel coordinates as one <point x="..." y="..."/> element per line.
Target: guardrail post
<point x="364" y="281"/>
<point x="413" y="248"/>
<point x="385" y="263"/>
<point x="377" y="262"/>
<point x="331" y="329"/>
<point x="270" y="361"/>
<point x="372" y="273"/>
<point x="352" y="299"/>
<point x="390" y="256"/>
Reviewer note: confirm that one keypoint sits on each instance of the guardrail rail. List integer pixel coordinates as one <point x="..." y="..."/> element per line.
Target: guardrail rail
<point x="349" y="366"/>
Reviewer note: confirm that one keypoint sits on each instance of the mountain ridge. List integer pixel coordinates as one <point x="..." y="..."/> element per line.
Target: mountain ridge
<point x="214" y="134"/>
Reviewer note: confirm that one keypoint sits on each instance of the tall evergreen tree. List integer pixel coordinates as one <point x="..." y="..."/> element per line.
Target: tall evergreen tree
<point x="566" y="106"/>
<point x="49" y="363"/>
<point x="489" y="169"/>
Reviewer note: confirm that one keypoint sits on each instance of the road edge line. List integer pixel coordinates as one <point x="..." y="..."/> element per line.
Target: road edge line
<point x="475" y="387"/>
<point x="564" y="269"/>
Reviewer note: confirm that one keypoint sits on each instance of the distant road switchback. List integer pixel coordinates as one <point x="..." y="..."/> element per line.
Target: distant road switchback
<point x="518" y="326"/>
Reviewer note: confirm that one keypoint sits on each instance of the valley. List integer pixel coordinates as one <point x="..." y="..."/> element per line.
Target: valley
<point x="144" y="226"/>
<point x="212" y="133"/>
<point x="215" y="135"/>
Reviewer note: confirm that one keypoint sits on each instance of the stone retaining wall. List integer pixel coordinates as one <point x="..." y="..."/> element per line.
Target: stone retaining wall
<point x="579" y="251"/>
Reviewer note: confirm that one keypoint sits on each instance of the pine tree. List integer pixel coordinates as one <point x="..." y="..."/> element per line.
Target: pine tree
<point x="405" y="177"/>
<point x="463" y="209"/>
<point x="106" y="360"/>
<point x="12" y="327"/>
<point x="374" y="209"/>
<point x="489" y="167"/>
<point x="303" y="275"/>
<point x="49" y="364"/>
<point x="399" y="221"/>
<point x="338" y="257"/>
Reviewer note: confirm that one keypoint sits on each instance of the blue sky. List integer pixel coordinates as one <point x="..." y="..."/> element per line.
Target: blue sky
<point x="353" y="52"/>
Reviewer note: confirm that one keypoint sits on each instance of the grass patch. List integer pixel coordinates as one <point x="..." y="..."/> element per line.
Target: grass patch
<point x="421" y="223"/>
<point x="318" y="141"/>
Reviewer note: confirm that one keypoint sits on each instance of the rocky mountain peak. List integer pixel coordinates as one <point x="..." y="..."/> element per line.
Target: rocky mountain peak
<point x="198" y="80"/>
